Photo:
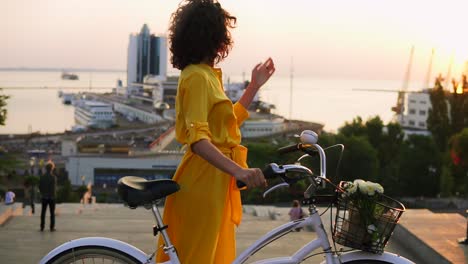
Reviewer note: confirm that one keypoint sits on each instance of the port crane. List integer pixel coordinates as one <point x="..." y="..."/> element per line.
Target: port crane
<point x="399" y="107"/>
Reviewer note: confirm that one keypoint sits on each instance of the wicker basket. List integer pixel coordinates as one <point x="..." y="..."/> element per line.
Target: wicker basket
<point x="351" y="231"/>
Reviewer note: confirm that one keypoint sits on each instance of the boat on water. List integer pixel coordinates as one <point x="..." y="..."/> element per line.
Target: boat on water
<point x="94" y="114"/>
<point x="67" y="98"/>
<point x="69" y="76"/>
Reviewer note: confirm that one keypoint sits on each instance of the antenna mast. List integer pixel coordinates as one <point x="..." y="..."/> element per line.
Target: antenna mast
<point x="291" y="90"/>
<point x="399" y="108"/>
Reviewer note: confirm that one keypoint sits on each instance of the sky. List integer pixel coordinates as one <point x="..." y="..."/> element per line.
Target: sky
<point x="360" y="39"/>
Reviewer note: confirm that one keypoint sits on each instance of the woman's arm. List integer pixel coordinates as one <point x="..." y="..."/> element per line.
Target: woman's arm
<point x="251" y="177"/>
<point x="260" y="75"/>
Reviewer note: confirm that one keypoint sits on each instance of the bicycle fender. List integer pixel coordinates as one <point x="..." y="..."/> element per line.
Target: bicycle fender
<point x="361" y="255"/>
<point x="97" y="241"/>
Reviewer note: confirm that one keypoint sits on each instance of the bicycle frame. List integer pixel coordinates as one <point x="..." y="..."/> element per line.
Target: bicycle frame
<point x="321" y="241"/>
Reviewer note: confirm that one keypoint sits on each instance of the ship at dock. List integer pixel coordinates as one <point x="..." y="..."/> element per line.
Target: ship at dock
<point x="94" y="114"/>
<point x="69" y="76"/>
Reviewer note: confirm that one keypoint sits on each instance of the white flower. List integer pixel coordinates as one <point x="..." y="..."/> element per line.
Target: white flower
<point x="350" y="187"/>
<point x="358" y="182"/>
<point x="378" y="188"/>
<point x="368" y="187"/>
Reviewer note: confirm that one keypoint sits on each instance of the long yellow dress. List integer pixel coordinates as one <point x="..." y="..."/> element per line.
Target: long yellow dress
<point x="202" y="216"/>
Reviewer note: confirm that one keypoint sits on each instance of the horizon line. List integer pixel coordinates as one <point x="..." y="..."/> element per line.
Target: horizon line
<point x="60" y="69"/>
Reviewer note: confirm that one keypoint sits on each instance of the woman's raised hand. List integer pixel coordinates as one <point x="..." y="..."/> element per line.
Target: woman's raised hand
<point x="262" y="72"/>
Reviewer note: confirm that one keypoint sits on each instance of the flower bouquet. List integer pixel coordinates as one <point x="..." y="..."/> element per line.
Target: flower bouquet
<point x="366" y="217"/>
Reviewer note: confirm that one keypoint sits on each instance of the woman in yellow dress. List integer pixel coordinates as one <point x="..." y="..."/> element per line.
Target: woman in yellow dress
<point x="202" y="216"/>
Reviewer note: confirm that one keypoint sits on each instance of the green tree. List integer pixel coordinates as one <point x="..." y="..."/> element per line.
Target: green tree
<point x="438" y="119"/>
<point x="360" y="159"/>
<point x="420" y="167"/>
<point x="447" y="183"/>
<point x="389" y="153"/>
<point x="3" y="110"/>
<point x="457" y="118"/>
<point x="8" y="162"/>
<point x="374" y="131"/>
<point x="460" y="146"/>
<point x="459" y="164"/>
<point x="355" y="128"/>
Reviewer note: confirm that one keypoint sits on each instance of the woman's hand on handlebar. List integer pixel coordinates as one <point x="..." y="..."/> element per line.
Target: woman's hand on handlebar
<point x="251" y="177"/>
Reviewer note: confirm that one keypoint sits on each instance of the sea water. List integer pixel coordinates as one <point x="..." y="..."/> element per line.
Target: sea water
<point x="34" y="105"/>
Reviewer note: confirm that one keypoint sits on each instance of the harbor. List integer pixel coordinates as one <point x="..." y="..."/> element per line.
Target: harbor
<point x="88" y="95"/>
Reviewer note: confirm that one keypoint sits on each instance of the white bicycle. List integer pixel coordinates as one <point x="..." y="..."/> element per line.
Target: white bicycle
<point x="137" y="191"/>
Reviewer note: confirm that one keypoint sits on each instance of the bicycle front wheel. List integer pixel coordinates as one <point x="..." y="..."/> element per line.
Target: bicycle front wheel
<point x="93" y="254"/>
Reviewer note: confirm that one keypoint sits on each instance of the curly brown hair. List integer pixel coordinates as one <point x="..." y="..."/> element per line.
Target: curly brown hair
<point x="199" y="32"/>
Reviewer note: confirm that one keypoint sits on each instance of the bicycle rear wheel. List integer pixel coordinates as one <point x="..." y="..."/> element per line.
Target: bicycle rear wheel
<point x="93" y="254"/>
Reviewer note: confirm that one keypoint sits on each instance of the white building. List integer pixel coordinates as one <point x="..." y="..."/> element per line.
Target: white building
<point x="147" y="54"/>
<point x="133" y="113"/>
<point x="416" y="111"/>
<point x="235" y="90"/>
<point x="252" y="128"/>
<point x="164" y="90"/>
<point x="108" y="169"/>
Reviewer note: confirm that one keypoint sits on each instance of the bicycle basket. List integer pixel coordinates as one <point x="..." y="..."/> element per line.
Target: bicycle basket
<point x="368" y="228"/>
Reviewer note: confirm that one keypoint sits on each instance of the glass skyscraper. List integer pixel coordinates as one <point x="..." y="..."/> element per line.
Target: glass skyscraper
<point x="147" y="54"/>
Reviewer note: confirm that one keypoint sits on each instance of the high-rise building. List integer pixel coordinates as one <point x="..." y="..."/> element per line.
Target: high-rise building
<point x="147" y="54"/>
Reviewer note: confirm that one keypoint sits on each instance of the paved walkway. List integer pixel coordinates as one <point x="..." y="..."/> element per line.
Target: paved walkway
<point x="435" y="235"/>
<point x="22" y="242"/>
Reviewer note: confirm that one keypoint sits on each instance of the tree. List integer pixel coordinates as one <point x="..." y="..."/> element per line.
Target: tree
<point x="389" y="152"/>
<point x="355" y="128"/>
<point x="459" y="164"/>
<point x="3" y="110"/>
<point x="438" y="119"/>
<point x="374" y="131"/>
<point x="420" y="167"/>
<point x="8" y="162"/>
<point x="359" y="159"/>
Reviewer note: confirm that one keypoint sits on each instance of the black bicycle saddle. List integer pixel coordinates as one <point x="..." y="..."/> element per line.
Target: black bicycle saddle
<point x="137" y="191"/>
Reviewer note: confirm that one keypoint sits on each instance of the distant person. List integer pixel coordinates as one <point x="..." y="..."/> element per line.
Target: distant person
<point x="29" y="196"/>
<point x="9" y="197"/>
<point x="87" y="196"/>
<point x="296" y="212"/>
<point x="47" y="187"/>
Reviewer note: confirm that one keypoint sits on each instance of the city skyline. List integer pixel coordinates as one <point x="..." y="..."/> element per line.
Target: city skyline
<point x="332" y="39"/>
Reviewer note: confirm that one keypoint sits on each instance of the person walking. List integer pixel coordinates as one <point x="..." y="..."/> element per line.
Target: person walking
<point x="29" y="195"/>
<point x="202" y="216"/>
<point x="47" y="187"/>
<point x="296" y="212"/>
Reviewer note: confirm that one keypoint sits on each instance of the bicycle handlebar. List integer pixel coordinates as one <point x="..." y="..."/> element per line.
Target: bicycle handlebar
<point x="309" y="146"/>
<point x="268" y="172"/>
<point x="290" y="148"/>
